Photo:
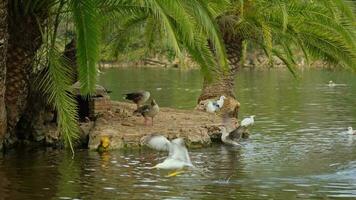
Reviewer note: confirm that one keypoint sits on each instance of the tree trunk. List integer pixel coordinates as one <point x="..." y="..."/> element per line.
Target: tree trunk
<point x="223" y="84"/>
<point x="70" y="54"/>
<point x="3" y="50"/>
<point x="24" y="41"/>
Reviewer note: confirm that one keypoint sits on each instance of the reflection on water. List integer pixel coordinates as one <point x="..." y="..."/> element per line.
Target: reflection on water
<point x="298" y="148"/>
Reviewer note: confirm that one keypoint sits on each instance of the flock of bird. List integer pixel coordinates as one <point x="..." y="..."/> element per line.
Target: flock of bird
<point x="178" y="156"/>
<point x="139" y="98"/>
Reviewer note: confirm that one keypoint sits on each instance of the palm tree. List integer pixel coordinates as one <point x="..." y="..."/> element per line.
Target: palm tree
<point x="321" y="29"/>
<point x="3" y="49"/>
<point x="33" y="28"/>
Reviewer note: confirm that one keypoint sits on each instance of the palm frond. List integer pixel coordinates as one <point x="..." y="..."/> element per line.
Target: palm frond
<point x="56" y="82"/>
<point x="87" y="22"/>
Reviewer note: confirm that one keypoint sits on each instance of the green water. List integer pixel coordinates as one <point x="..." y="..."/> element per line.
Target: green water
<point x="298" y="148"/>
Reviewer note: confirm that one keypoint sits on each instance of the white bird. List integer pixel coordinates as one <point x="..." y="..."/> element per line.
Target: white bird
<point x="178" y="156"/>
<point x="212" y="107"/>
<point x="351" y="131"/>
<point x="220" y="102"/>
<point x="331" y="84"/>
<point x="248" y="121"/>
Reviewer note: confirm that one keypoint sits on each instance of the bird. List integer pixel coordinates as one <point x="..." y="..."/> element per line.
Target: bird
<point x="104" y="144"/>
<point x="178" y="156"/>
<point x="148" y="111"/>
<point x="248" y="121"/>
<point x="212" y="107"/>
<point x="351" y="131"/>
<point x="220" y="102"/>
<point x="232" y="137"/>
<point x="139" y="97"/>
<point x="331" y="84"/>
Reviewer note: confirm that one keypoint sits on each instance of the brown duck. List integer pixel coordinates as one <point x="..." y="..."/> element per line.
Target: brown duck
<point x="148" y="111"/>
<point x="139" y="97"/>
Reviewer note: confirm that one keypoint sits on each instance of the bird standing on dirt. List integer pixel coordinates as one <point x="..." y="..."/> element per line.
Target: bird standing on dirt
<point x="148" y="111"/>
<point x="220" y="102"/>
<point x="139" y="97"/>
<point x="211" y="107"/>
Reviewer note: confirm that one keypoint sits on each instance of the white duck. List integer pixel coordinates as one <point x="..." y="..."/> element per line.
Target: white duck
<point x="248" y="121"/>
<point x="178" y="156"/>
<point x="351" y="131"/>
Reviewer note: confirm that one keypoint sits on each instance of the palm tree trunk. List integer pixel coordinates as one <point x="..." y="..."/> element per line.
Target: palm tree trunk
<point x="24" y="41"/>
<point x="223" y="83"/>
<point x="3" y="50"/>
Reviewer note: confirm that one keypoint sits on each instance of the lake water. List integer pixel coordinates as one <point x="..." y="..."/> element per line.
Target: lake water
<point x="298" y="148"/>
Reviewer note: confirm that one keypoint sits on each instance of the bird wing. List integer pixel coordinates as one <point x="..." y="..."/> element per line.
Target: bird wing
<point x="134" y="96"/>
<point x="158" y="142"/>
<point x="236" y="134"/>
<point x="143" y="109"/>
<point x="178" y="151"/>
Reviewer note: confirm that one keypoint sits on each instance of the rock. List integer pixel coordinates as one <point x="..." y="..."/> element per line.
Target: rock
<point x="126" y="124"/>
<point x="197" y="128"/>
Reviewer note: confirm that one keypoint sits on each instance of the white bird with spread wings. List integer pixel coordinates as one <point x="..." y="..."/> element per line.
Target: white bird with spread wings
<point x="178" y="156"/>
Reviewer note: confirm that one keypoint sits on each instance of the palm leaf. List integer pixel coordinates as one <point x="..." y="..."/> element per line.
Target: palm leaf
<point x="87" y="22"/>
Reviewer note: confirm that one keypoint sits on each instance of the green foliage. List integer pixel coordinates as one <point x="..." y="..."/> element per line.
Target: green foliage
<point x="57" y="83"/>
<point x="321" y="29"/>
<point x="87" y="24"/>
<point x="180" y="24"/>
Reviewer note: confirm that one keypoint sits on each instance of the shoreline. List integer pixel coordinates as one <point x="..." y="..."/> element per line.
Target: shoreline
<point x="198" y="128"/>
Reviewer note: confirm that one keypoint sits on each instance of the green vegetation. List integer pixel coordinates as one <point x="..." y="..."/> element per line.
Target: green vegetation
<point x="215" y="33"/>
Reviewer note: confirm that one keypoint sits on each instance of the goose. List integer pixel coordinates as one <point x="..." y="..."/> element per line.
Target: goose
<point x="249" y="121"/>
<point x="139" y="97"/>
<point x="148" y="111"/>
<point x="351" y="131"/>
<point x="232" y="137"/>
<point x="178" y="156"/>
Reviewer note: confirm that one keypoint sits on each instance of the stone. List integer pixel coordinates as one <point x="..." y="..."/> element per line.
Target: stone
<point x="127" y="131"/>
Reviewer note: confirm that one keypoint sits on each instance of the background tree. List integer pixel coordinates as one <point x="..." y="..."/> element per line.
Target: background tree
<point x="321" y="29"/>
<point x="33" y="30"/>
<point x="3" y="50"/>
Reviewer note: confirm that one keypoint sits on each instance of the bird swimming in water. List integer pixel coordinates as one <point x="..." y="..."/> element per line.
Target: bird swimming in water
<point x="232" y="137"/>
<point x="104" y="144"/>
<point x="148" y="111"/>
<point x="220" y="102"/>
<point x="351" y="131"/>
<point x="178" y="156"/>
<point x="248" y="121"/>
<point x="139" y="97"/>
<point x="331" y="84"/>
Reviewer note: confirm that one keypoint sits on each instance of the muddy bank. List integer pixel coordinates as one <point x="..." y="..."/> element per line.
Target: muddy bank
<point x="125" y="130"/>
